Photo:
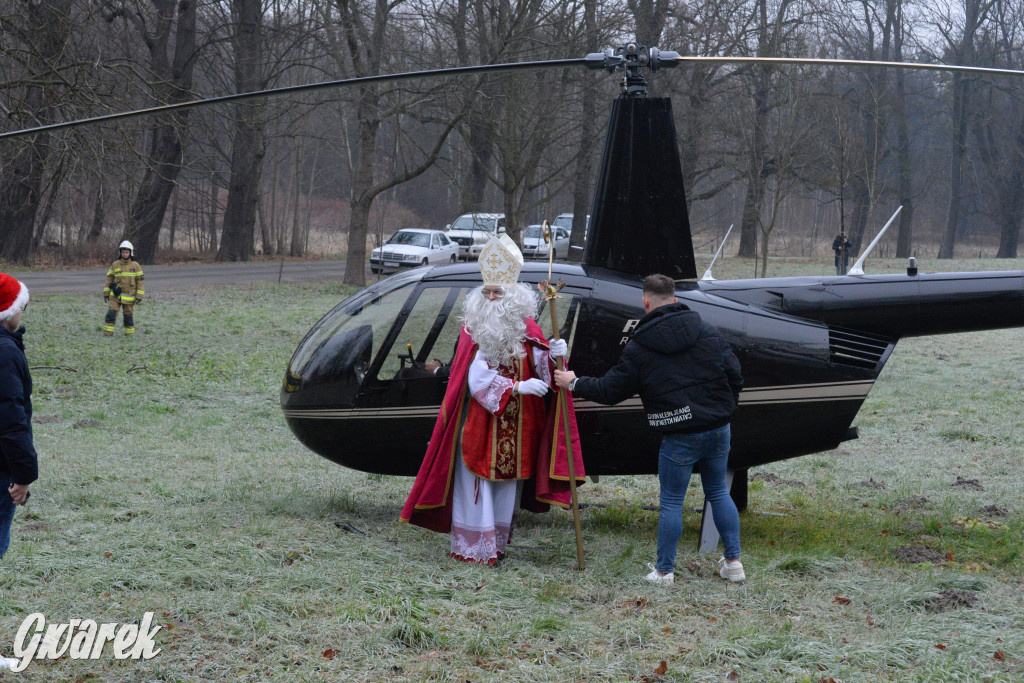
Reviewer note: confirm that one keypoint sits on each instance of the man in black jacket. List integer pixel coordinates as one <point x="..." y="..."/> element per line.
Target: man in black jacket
<point x="18" y="467"/>
<point x="689" y="381"/>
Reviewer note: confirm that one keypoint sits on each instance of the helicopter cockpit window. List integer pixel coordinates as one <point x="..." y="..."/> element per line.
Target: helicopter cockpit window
<point x="566" y="310"/>
<point x="429" y="331"/>
<point x="375" y="308"/>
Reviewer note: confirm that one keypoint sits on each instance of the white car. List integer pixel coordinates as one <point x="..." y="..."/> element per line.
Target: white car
<point x="564" y="220"/>
<point x="535" y="247"/>
<point x="473" y="230"/>
<point x="411" y="247"/>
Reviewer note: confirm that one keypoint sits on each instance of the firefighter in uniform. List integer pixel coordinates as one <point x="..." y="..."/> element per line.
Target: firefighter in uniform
<point x="124" y="289"/>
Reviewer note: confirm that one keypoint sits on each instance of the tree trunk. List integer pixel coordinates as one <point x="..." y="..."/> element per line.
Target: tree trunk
<point x="297" y="243"/>
<point x="361" y="197"/>
<point x="1011" y="199"/>
<point x="163" y="162"/>
<point x="238" y="236"/>
<point x="48" y="24"/>
<point x="905" y="172"/>
<point x="174" y="219"/>
<point x="962" y="90"/>
<point x="751" y="219"/>
<point x="956" y="164"/>
<point x="98" y="214"/>
<point x="481" y="153"/>
<point x="211" y="217"/>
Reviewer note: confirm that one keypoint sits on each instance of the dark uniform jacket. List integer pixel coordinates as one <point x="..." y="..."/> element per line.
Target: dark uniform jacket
<point x="17" y="455"/>
<point x="687" y="376"/>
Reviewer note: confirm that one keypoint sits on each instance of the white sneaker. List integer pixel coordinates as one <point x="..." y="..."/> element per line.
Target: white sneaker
<point x="656" y="577"/>
<point x="731" y="571"/>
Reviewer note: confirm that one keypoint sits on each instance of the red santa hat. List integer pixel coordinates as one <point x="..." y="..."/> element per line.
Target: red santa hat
<point x="13" y="297"/>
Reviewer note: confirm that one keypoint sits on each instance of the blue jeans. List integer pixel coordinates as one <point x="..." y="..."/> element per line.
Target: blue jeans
<point x="679" y="453"/>
<point x="6" y="514"/>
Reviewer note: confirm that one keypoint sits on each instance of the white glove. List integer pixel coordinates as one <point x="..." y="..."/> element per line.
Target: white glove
<point x="534" y="387"/>
<point x="558" y="348"/>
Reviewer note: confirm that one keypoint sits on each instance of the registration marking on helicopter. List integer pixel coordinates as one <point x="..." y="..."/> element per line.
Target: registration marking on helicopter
<point x="785" y="393"/>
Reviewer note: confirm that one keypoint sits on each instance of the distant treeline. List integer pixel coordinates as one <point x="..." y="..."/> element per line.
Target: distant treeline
<point x="782" y="151"/>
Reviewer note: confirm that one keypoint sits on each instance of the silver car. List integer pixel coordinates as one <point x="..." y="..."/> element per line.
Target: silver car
<point x="535" y="247"/>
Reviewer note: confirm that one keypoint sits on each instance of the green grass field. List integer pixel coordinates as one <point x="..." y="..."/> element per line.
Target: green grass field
<point x="170" y="483"/>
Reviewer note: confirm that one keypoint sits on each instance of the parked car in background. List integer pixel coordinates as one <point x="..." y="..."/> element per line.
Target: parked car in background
<point x="411" y="247"/>
<point x="472" y="230"/>
<point x="535" y="247"/>
<point x="564" y="220"/>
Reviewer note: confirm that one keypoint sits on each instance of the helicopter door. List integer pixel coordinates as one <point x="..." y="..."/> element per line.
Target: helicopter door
<point x="427" y="327"/>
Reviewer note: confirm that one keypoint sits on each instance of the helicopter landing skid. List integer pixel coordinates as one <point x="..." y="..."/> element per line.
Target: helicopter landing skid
<point x="709" y="538"/>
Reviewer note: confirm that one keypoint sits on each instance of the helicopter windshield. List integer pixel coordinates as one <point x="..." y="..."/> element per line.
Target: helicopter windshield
<point x="376" y="307"/>
<point x="416" y="239"/>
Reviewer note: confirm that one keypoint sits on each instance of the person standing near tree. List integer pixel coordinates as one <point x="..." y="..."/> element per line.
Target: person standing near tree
<point x="841" y="246"/>
<point x="689" y="381"/>
<point x="124" y="290"/>
<point x="18" y="462"/>
<point x="491" y="447"/>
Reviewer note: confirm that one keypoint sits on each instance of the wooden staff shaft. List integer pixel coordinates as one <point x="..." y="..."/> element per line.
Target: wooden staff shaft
<point x="562" y="405"/>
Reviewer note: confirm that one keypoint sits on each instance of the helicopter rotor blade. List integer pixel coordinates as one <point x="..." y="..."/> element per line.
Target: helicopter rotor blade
<point x="984" y="70"/>
<point x="605" y="60"/>
<point x="321" y="85"/>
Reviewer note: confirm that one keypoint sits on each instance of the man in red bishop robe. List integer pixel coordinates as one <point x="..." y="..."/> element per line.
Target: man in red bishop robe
<point x="495" y="446"/>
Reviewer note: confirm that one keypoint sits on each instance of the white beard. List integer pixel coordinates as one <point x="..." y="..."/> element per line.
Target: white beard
<point x="499" y="327"/>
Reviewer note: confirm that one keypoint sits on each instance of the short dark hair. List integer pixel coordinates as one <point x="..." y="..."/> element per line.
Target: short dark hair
<point x="660" y="286"/>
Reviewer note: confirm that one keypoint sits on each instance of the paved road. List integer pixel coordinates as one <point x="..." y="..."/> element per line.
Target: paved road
<point x="184" y="276"/>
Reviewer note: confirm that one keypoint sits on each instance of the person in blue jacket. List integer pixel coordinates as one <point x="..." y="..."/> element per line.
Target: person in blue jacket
<point x="18" y="462"/>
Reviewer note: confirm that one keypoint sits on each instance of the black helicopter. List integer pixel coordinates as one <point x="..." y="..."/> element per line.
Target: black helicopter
<point x="357" y="392"/>
<point x="810" y="347"/>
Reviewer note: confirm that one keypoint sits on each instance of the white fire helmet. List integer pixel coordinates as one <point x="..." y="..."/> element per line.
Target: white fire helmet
<point x="126" y="245"/>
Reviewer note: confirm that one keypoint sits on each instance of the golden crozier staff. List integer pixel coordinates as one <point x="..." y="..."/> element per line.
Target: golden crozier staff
<point x="550" y="293"/>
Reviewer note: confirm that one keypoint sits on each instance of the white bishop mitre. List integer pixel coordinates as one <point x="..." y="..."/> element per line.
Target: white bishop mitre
<point x="501" y="261"/>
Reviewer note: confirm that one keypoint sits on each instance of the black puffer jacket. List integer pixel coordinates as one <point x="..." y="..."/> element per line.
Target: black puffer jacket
<point x="17" y="455"/>
<point x="687" y="376"/>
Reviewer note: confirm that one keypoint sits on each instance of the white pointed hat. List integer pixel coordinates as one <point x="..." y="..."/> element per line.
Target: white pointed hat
<point x="501" y="261"/>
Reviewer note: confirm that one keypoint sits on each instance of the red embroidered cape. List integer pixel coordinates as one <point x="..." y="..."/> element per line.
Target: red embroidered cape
<point x="430" y="502"/>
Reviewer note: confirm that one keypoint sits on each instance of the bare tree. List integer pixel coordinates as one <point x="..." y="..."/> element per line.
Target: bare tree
<point x="43" y="33"/>
<point x="360" y="44"/>
<point x="238" y="235"/>
<point x="771" y="27"/>
<point x="960" y="34"/>
<point x="171" y="72"/>
<point x="998" y="128"/>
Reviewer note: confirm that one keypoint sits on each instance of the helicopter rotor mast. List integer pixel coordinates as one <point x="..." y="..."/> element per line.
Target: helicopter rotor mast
<point x="631" y="59"/>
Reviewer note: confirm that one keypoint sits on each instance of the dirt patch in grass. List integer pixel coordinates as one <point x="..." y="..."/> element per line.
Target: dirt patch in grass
<point x="951" y="599"/>
<point x="968" y="484"/>
<point x="910" y="504"/>
<point x="86" y="423"/>
<point x="872" y="484"/>
<point x="916" y="554"/>
<point x="775" y="479"/>
<point x="994" y="511"/>
<point x="45" y="419"/>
